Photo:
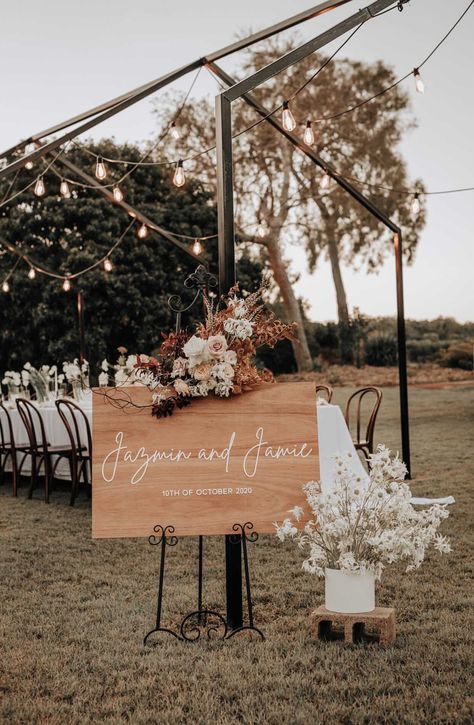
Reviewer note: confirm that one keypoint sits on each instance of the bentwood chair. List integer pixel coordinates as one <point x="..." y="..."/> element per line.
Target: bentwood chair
<point x="42" y="453"/>
<point x="370" y="399"/>
<point x="9" y="448"/>
<point x="70" y="414"/>
<point x="326" y="390"/>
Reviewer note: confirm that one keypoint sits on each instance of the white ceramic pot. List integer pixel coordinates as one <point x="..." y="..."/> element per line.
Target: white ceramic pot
<point x="349" y="592"/>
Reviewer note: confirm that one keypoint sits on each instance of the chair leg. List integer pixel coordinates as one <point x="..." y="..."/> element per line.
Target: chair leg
<point x="74" y="480"/>
<point x="47" y="477"/>
<point x="34" y="475"/>
<point x="14" y="472"/>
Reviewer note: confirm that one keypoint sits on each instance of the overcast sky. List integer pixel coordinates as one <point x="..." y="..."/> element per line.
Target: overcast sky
<point x="59" y="58"/>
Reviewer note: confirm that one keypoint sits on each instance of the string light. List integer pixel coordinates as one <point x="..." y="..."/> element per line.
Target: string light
<point x="179" y="178"/>
<point x="415" y="205"/>
<point x="117" y="192"/>
<point x="197" y="247"/>
<point x="174" y="131"/>
<point x="5" y="287"/>
<point x="29" y="165"/>
<point x="108" y="266"/>
<point x="32" y="273"/>
<point x="40" y="188"/>
<point x="142" y="231"/>
<point x="100" y="170"/>
<point x="419" y="85"/>
<point x="64" y="189"/>
<point x="325" y="181"/>
<point x="308" y="136"/>
<point x="287" y="118"/>
<point x="67" y="284"/>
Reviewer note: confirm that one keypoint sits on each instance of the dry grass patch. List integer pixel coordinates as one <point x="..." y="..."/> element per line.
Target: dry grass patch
<point x="74" y="612"/>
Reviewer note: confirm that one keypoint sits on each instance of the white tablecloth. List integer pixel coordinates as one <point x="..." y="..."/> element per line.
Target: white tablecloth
<point x="55" y="432"/>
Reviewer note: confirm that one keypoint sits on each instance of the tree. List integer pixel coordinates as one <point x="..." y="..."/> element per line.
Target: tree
<point x="38" y="320"/>
<point x="279" y="188"/>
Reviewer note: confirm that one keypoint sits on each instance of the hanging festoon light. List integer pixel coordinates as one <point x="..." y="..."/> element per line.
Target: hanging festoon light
<point x="118" y="194"/>
<point x="419" y="85"/>
<point x="197" y="247"/>
<point x="108" y="266"/>
<point x="67" y="284"/>
<point x="31" y="273"/>
<point x="287" y="118"/>
<point x="142" y="232"/>
<point x="29" y="163"/>
<point x="100" y="170"/>
<point x="64" y="189"/>
<point x="40" y="189"/>
<point x="179" y="178"/>
<point x="308" y="136"/>
<point x="174" y="131"/>
<point x="415" y="205"/>
<point x="5" y="287"/>
<point x="325" y="180"/>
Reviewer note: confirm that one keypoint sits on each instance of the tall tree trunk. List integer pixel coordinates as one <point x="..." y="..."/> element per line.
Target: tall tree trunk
<point x="345" y="330"/>
<point x="291" y="307"/>
<point x="342" y="309"/>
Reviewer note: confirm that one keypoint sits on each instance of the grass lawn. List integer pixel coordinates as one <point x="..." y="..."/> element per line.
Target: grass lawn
<point x="74" y="612"/>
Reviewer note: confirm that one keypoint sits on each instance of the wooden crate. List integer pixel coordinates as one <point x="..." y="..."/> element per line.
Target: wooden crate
<point x="352" y="628"/>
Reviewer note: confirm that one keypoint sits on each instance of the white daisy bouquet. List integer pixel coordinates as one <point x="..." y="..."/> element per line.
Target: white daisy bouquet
<point x="365" y="524"/>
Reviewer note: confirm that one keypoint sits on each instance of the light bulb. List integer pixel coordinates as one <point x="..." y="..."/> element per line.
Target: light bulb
<point x="419" y="85"/>
<point x="415" y="205"/>
<point x="308" y="136"/>
<point x="174" y="131"/>
<point x="117" y="192"/>
<point x="5" y="287"/>
<point x="100" y="170"/>
<point x="197" y="247"/>
<point x="142" y="231"/>
<point x="108" y="266"/>
<point x="32" y="273"/>
<point x="288" y="120"/>
<point x="64" y="189"/>
<point x="40" y="188"/>
<point x="261" y="230"/>
<point x="28" y="150"/>
<point x="66" y="285"/>
<point x="325" y="180"/>
<point x="179" y="178"/>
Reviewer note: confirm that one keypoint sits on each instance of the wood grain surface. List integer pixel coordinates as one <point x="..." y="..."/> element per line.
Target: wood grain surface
<point x="179" y="471"/>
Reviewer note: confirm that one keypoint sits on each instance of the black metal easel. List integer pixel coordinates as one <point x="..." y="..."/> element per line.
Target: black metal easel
<point x="203" y="620"/>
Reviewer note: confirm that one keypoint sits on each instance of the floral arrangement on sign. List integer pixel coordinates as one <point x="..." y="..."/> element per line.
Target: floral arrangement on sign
<point x="218" y="358"/>
<point x="363" y="525"/>
<point x="124" y="371"/>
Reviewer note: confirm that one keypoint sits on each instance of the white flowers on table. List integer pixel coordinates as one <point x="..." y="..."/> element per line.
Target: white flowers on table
<point x="365" y="525"/>
<point x="11" y="378"/>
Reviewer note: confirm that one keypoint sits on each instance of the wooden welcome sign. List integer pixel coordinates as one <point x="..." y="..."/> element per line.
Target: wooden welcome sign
<point x="213" y="464"/>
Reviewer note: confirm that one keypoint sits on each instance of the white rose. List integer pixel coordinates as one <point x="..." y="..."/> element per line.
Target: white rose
<point x="230" y="356"/>
<point x="194" y="346"/>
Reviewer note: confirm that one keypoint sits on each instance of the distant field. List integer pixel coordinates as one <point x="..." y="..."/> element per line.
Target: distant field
<point x="74" y="612"/>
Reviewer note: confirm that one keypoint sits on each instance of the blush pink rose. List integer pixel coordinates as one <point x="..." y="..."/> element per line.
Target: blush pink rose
<point x="216" y="346"/>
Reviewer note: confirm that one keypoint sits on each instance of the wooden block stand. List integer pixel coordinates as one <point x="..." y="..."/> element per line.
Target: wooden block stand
<point x="354" y="626"/>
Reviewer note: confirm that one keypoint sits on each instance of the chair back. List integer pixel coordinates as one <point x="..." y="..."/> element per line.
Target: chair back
<point x="372" y="396"/>
<point x="7" y="441"/>
<point x="34" y="424"/>
<point x="71" y="414"/>
<point x="326" y="390"/>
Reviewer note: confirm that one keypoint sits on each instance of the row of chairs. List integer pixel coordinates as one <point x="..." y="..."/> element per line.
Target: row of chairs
<point x="42" y="455"/>
<point x="78" y="453"/>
